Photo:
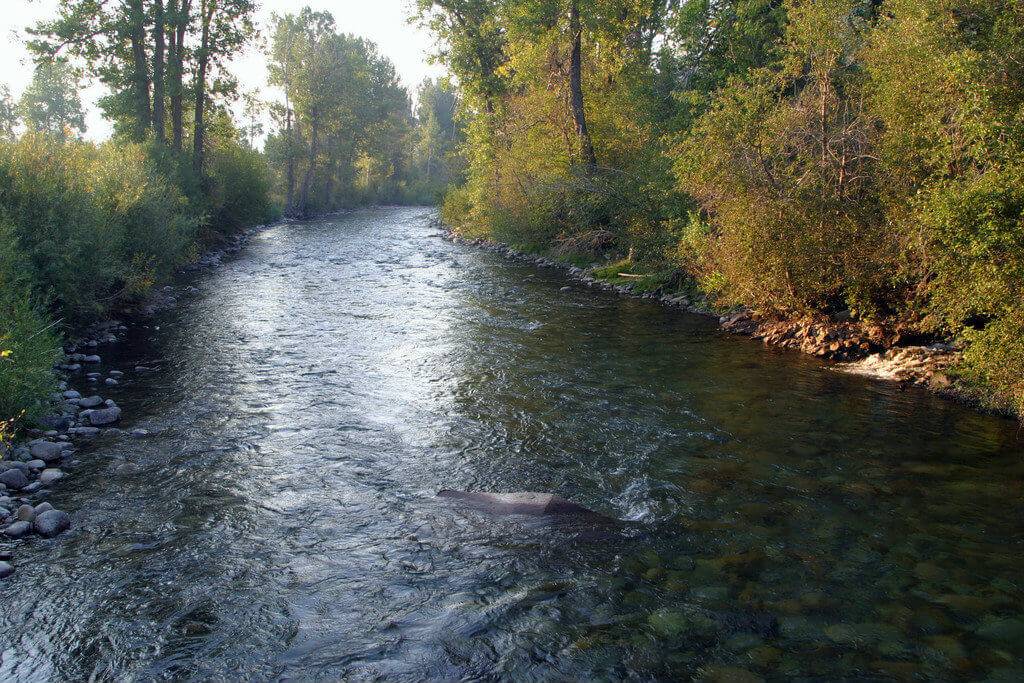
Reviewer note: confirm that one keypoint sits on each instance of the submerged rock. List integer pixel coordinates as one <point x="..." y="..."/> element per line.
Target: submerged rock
<point x="670" y="624"/>
<point x="728" y="674"/>
<point x="519" y="503"/>
<point x="6" y="570"/>
<point x="1002" y="629"/>
<point x="90" y="401"/>
<point x="862" y="634"/>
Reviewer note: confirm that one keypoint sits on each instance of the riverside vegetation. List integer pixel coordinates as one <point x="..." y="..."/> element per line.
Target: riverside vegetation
<point x="87" y="229"/>
<point x="837" y="161"/>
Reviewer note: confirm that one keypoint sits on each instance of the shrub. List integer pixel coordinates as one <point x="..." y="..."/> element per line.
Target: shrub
<point x="994" y="361"/>
<point x="28" y="344"/>
<point x="71" y="251"/>
<point x="239" y="187"/>
<point x="152" y="220"/>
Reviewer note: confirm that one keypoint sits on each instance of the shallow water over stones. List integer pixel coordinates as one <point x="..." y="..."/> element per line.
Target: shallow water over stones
<point x="305" y="405"/>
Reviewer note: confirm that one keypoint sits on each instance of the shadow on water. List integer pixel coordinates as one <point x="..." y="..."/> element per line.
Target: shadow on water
<point x="775" y="519"/>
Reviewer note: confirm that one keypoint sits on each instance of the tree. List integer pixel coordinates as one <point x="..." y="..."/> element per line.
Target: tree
<point x="51" y="103"/>
<point x="8" y="113"/>
<point x="143" y="50"/>
<point x="225" y="27"/>
<point x="473" y="45"/>
<point x="344" y="125"/>
<point x="438" y="136"/>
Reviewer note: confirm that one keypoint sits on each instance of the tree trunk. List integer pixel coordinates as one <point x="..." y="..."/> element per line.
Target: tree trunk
<point x="289" y="204"/>
<point x="198" y="136"/>
<point x="140" y="76"/>
<point x="314" y="143"/>
<point x="159" y="118"/>
<point x="329" y="183"/>
<point x="183" y="9"/>
<point x="576" y="85"/>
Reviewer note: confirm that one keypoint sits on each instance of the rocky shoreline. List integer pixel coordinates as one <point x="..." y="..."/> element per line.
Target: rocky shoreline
<point x="851" y="347"/>
<point x="29" y="470"/>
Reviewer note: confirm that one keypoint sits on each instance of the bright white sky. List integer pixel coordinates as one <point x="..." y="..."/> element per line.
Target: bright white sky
<point x="385" y="22"/>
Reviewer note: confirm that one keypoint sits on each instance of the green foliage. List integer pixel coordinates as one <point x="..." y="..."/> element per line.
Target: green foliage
<point x="71" y="251"/>
<point x="8" y="115"/>
<point x="50" y="104"/>
<point x="436" y="163"/>
<point x="782" y="165"/>
<point x="994" y="361"/>
<point x="345" y="132"/>
<point x="28" y="343"/>
<point x="95" y="227"/>
<point x="144" y="211"/>
<point x="947" y="89"/>
<point x="797" y="156"/>
<point x="240" y="187"/>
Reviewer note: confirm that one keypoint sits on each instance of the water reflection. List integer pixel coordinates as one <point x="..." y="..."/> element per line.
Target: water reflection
<point x="779" y="519"/>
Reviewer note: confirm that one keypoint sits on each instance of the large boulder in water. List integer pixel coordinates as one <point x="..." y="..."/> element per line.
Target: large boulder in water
<point x="519" y="503"/>
<point x="47" y="451"/>
<point x="102" y="416"/>
<point x="51" y="523"/>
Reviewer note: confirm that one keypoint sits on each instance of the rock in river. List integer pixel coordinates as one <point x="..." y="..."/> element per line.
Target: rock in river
<point x="5" y="570"/>
<point x="18" y="529"/>
<point x="47" y="451"/>
<point x="52" y="522"/>
<point x="102" y="416"/>
<point x="90" y="401"/>
<point x="14" y="479"/>
<point x="25" y="513"/>
<point x="50" y="475"/>
<point x="520" y="503"/>
<point x="1002" y="629"/>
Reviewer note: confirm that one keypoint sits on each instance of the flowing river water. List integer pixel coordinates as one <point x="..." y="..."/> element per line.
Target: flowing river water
<point x="777" y="519"/>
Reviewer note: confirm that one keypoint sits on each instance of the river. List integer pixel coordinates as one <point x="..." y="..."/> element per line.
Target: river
<point x="778" y="519"/>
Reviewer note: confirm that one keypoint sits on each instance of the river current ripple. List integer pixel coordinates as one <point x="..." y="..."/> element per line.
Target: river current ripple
<point x="779" y="519"/>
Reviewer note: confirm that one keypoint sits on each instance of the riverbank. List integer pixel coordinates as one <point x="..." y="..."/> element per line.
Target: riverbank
<point x="850" y="346"/>
<point x="31" y="468"/>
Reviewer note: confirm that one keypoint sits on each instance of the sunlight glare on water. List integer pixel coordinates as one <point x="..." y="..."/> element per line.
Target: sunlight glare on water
<point x="777" y="518"/>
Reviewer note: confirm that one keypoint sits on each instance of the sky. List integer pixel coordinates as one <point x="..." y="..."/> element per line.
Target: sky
<point x="382" y="21"/>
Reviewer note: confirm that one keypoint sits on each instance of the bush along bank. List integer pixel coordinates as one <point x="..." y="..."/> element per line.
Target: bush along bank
<point x="851" y="346"/>
<point x="832" y="166"/>
<point x="88" y="232"/>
